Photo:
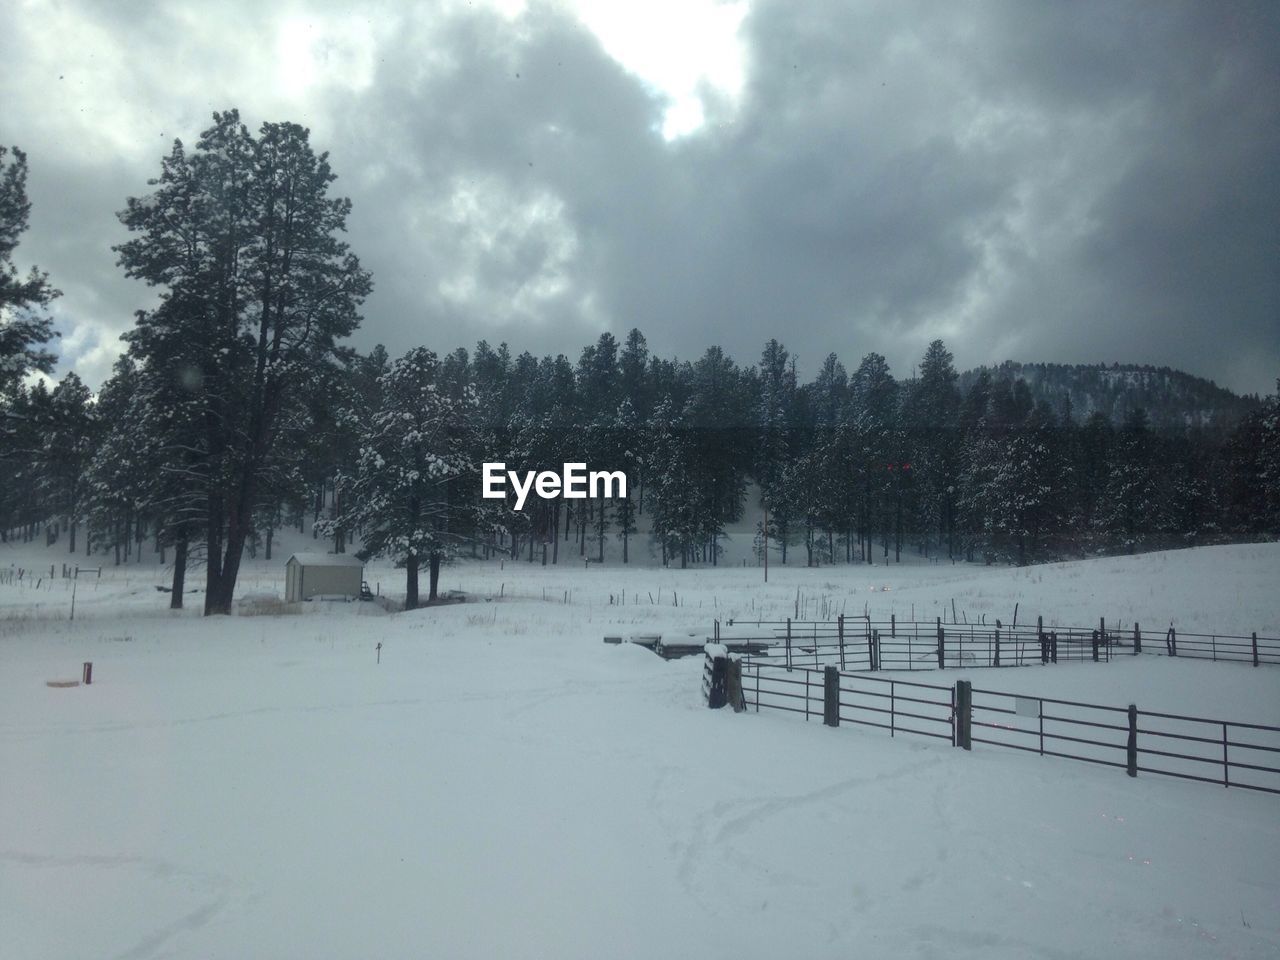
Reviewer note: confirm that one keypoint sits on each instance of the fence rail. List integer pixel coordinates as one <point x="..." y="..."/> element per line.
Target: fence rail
<point x="1230" y="753"/>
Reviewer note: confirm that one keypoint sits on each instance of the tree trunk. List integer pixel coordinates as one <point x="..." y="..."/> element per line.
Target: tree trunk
<point x="179" y="573"/>
<point x="411" y="582"/>
<point x="225" y="586"/>
<point x="600" y="529"/>
<point x="435" y="577"/>
<point x="213" y="548"/>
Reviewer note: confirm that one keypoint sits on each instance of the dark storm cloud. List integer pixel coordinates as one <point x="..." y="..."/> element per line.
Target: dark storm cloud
<point x="1077" y="183"/>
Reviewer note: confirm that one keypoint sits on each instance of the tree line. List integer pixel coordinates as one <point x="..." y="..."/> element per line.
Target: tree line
<point x="236" y="410"/>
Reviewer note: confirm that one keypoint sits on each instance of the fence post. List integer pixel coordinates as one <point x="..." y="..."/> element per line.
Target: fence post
<point x="1171" y="641"/>
<point x="788" y="643"/>
<point x="893" y="624"/>
<point x="873" y="644"/>
<point x="893" y="709"/>
<point x="1044" y="646"/>
<point x="831" y="697"/>
<point x="718" y="692"/>
<point x="1094" y="645"/>
<point x="1053" y="646"/>
<point x="877" y="650"/>
<point x="964" y="714"/>
<point x="88" y="673"/>
<point x="941" y="645"/>
<point x="1255" y="648"/>
<point x="840" y="635"/>
<point x="733" y="686"/>
<point x="1131" y="750"/>
<point x="1137" y="639"/>
<point x="996" y="661"/>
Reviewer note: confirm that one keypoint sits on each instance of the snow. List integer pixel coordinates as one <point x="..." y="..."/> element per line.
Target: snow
<point x="505" y="784"/>
<point x="327" y="559"/>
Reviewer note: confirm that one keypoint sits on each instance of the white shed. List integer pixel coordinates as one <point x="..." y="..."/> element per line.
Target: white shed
<point x="308" y="575"/>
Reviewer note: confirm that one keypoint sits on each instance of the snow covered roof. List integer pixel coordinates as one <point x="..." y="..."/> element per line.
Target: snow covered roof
<point x="326" y="560"/>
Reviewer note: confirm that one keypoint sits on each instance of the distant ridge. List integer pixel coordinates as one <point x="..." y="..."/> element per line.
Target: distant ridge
<point x="1174" y="400"/>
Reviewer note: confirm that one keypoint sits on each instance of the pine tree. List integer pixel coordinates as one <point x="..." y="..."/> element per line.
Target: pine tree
<point x="930" y="420"/>
<point x="1130" y="503"/>
<point x="24" y="326"/>
<point x="70" y="439"/>
<point x="403" y="494"/>
<point x="631" y="443"/>
<point x="1252" y="483"/>
<point x="871" y="428"/>
<point x="21" y="505"/>
<point x="243" y="239"/>
<point x="775" y="408"/>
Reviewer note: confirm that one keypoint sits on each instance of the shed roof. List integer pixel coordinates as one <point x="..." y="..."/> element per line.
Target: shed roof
<point x="326" y="560"/>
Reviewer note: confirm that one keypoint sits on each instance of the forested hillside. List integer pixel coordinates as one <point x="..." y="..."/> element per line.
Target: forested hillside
<point x="1172" y="399"/>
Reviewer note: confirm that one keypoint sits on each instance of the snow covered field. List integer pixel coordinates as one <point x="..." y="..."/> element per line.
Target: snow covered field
<point x="503" y="784"/>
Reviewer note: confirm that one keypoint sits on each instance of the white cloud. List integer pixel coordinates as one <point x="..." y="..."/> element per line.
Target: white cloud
<point x="680" y="49"/>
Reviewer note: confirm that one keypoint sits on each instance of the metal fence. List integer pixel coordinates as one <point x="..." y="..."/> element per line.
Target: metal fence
<point x="1229" y="753"/>
<point x="859" y="643"/>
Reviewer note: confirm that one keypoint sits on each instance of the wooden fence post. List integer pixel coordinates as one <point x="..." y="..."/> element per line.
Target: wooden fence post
<point x="1094" y="644"/>
<point x="1255" y="648"/>
<point x="873" y="647"/>
<point x="964" y="714"/>
<point x="1171" y="641"/>
<point x="893" y="624"/>
<point x="831" y="697"/>
<point x="840" y="635"/>
<point x="1044" y="644"/>
<point x="996" y="660"/>
<point x="1137" y="639"/>
<point x="1053" y="646"/>
<point x="1131" y="749"/>
<point x="718" y="693"/>
<point x="941" y="645"/>
<point x="788" y="643"/>
<point x="88" y="673"/>
<point x="733" y="686"/>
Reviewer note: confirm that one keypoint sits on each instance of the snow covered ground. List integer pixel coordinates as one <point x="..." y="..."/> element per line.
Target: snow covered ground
<point x="505" y="784"/>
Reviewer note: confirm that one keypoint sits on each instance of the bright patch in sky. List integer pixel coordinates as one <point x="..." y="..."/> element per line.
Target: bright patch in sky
<point x="312" y="50"/>
<point x="681" y="49"/>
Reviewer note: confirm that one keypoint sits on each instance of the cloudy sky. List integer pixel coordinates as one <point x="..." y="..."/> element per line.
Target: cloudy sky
<point x="1071" y="182"/>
